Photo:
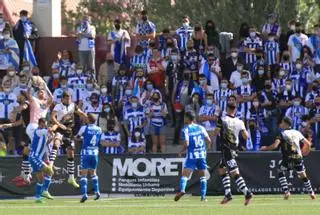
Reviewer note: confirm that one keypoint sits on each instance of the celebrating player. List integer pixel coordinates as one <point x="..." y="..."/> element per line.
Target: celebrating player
<point x="91" y="134"/>
<point x="229" y="127"/>
<point x="289" y="141"/>
<point x="63" y="120"/>
<point x="37" y="160"/>
<point x="195" y="139"/>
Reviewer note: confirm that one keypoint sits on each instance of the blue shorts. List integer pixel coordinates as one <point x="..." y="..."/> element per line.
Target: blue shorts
<point x="89" y="162"/>
<point x="200" y="164"/>
<point x="36" y="163"/>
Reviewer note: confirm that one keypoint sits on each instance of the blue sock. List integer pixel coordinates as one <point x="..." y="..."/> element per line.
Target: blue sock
<point x="95" y="183"/>
<point x="183" y="184"/>
<point x="38" y="190"/>
<point x="84" y="187"/>
<point x="47" y="182"/>
<point x="203" y="187"/>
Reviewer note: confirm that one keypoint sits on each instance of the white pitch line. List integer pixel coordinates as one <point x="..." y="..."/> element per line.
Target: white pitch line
<point x="146" y="206"/>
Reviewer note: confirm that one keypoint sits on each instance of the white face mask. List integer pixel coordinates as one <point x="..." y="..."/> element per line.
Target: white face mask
<point x="6" y="90"/>
<point x="137" y="134"/>
<point x="63" y="86"/>
<point x="296" y="103"/>
<point x="281" y="73"/>
<point x="26" y="69"/>
<point x="134" y="104"/>
<point x="90" y="86"/>
<point x="234" y="54"/>
<point x="56" y="75"/>
<point x="252" y="34"/>
<point x="104" y="90"/>
<point x="298" y="66"/>
<point x="224" y="85"/>
<point x="260" y="72"/>
<point x="288" y="87"/>
<point x="11" y="73"/>
<point x="78" y="71"/>
<point x="23" y="18"/>
<point x="293" y="27"/>
<point x="1" y="20"/>
<point x="209" y="102"/>
<point x="256" y="104"/>
<point x="6" y="36"/>
<point x="245" y="81"/>
<point x="239" y="68"/>
<point x="186" y="24"/>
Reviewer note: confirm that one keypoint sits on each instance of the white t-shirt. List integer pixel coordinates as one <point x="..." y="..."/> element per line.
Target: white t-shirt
<point x="235" y="79"/>
<point x="62" y="110"/>
<point x="232" y="127"/>
<point x="296" y="42"/>
<point x="293" y="138"/>
<point x="84" y="44"/>
<point x="117" y="35"/>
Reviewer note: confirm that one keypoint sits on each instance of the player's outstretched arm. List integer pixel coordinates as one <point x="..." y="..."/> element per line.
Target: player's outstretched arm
<point x="271" y="147"/>
<point x="209" y="143"/>
<point x="306" y="147"/>
<point x="184" y="148"/>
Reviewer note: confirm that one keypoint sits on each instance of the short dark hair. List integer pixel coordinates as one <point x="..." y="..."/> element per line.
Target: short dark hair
<point x="190" y="115"/>
<point x="24" y="13"/>
<point x="144" y="12"/>
<point x="288" y="121"/>
<point x="42" y="120"/>
<point x="232" y="96"/>
<point x="166" y="31"/>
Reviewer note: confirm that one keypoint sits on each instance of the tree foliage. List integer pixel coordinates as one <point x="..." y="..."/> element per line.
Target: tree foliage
<point x="228" y="14"/>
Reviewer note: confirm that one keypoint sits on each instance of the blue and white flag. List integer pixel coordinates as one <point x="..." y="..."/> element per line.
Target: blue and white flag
<point x="28" y="54"/>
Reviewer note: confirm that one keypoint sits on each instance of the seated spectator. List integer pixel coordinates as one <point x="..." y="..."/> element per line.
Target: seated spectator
<point x="137" y="142"/>
<point x="11" y="77"/>
<point x="9" y="55"/>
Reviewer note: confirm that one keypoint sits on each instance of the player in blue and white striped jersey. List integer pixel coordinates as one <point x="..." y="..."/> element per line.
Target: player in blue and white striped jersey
<point x="91" y="136"/>
<point x="37" y="158"/>
<point x="251" y="45"/>
<point x="185" y="33"/>
<point x="271" y="50"/>
<point x="196" y="141"/>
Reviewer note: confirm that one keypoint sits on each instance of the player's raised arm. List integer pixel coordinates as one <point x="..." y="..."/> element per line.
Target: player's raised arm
<point x="80" y="112"/>
<point x="272" y="146"/>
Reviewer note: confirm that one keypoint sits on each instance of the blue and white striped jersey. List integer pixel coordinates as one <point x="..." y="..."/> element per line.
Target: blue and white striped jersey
<point x="7" y="103"/>
<point x="271" y="49"/>
<point x="91" y="139"/>
<point x="184" y="34"/>
<point x="195" y="135"/>
<point x="134" y="117"/>
<point x="296" y="113"/>
<point x="113" y="137"/>
<point x="222" y="97"/>
<point x="39" y="143"/>
<point x="141" y="60"/>
<point x="252" y="43"/>
<point x="157" y="119"/>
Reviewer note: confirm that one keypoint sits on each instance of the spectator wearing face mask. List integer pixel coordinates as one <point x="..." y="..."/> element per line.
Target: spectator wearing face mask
<point x="279" y="80"/>
<point x="272" y="52"/>
<point x="295" y="112"/>
<point x="23" y="84"/>
<point x="203" y="89"/>
<point x="105" y="96"/>
<point x="251" y="45"/>
<point x="235" y="78"/>
<point x="86" y="33"/>
<point x="268" y="100"/>
<point x="208" y="115"/>
<point x="149" y="90"/>
<point x="211" y="69"/>
<point x="286" y="63"/>
<point x="290" y="31"/>
<point x="191" y="59"/>
<point x="9" y="51"/>
<point x="272" y="27"/>
<point x="124" y="102"/>
<point x="138" y="81"/>
<point x="260" y="60"/>
<point x="287" y="95"/>
<point x="119" y="84"/>
<point x="137" y="142"/>
<point x="213" y="38"/>
<point x="260" y="77"/>
<point x="12" y="77"/>
<point x="296" y="42"/>
<point x="25" y="33"/>
<point x="64" y="63"/>
<point x="120" y="40"/>
<point x="108" y="71"/>
<point x="174" y="69"/>
<point x="222" y="95"/>
<point x="245" y="95"/>
<point x="185" y="34"/>
<point x="167" y="46"/>
<point x="111" y="139"/>
<point x="134" y="117"/>
<point x="258" y="129"/>
<point x="314" y="45"/>
<point x="230" y="63"/>
<point x="157" y="112"/>
<point x="78" y="84"/>
<point x="195" y="104"/>
<point x="93" y="106"/>
<point x="156" y="72"/>
<point x="54" y="80"/>
<point x="306" y="58"/>
<point x="108" y="115"/>
<point x="299" y="78"/>
<point x="145" y="30"/>
<point x="311" y="95"/>
<point x="4" y="24"/>
<point x="58" y="92"/>
<point x="315" y="121"/>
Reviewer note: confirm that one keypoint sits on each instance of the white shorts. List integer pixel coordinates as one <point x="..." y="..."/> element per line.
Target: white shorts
<point x="31" y="129"/>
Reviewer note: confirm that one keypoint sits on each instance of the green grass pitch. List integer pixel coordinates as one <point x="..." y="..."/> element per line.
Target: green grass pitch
<point x="261" y="205"/>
